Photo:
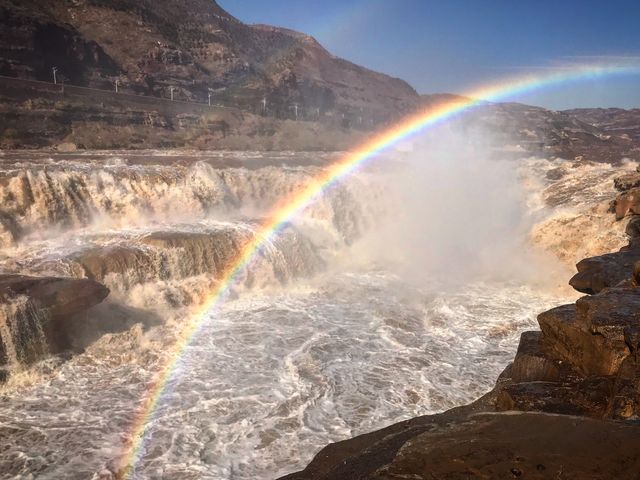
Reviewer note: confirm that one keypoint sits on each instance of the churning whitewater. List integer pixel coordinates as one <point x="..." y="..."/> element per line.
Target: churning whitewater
<point x="399" y="301"/>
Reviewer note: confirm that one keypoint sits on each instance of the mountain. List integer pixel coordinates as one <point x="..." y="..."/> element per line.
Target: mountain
<point x="194" y="46"/>
<point x="559" y="133"/>
<point x="613" y="121"/>
<point x="272" y="77"/>
<point x="603" y="135"/>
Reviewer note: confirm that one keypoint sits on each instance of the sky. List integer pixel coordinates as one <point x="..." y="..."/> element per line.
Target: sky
<point x="457" y="45"/>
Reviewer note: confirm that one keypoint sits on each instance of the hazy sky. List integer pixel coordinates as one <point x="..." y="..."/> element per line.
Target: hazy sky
<point x="455" y="45"/>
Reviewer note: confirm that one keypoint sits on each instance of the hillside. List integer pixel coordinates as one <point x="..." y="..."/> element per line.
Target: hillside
<point x="602" y="135"/>
<point x="271" y="88"/>
<point x="195" y="47"/>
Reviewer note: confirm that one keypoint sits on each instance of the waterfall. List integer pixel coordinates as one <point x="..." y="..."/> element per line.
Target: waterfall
<point x="21" y="332"/>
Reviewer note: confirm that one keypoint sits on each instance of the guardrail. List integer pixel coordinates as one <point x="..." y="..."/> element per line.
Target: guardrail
<point x="182" y="106"/>
<point x="166" y="105"/>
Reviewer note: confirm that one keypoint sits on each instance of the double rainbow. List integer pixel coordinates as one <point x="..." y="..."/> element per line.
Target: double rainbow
<point x="289" y="207"/>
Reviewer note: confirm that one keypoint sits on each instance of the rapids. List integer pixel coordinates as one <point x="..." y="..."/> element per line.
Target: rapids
<point x="323" y="338"/>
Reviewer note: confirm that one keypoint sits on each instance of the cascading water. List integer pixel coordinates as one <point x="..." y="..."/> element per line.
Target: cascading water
<point x="351" y="344"/>
<point x="22" y="339"/>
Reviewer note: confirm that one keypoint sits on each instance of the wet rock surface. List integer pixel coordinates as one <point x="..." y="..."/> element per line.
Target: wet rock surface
<point x="37" y="313"/>
<point x="627" y="181"/>
<point x="523" y="445"/>
<point x="60" y="296"/>
<point x="466" y="445"/>
<point x="604" y="271"/>
<point x="628" y="203"/>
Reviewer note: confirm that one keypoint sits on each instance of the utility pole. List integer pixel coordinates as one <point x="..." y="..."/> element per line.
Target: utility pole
<point x="62" y="80"/>
<point x="172" y="89"/>
<point x="54" y="70"/>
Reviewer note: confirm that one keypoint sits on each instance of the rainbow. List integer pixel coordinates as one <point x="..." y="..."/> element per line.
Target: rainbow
<point x="289" y="207"/>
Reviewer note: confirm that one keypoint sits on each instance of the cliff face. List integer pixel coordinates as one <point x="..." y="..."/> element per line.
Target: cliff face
<point x="614" y="121"/>
<point x="564" y="134"/>
<point x="194" y="46"/>
<point x="601" y="135"/>
<point x="567" y="407"/>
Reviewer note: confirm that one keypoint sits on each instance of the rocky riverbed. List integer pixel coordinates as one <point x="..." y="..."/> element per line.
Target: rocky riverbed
<point x="330" y="334"/>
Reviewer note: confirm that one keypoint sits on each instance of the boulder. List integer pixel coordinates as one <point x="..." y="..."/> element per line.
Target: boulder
<point x="626" y="203"/>
<point x="625" y="397"/>
<point x="531" y="364"/>
<point x="585" y="361"/>
<point x="99" y="262"/>
<point x="66" y="147"/>
<point x="627" y="181"/>
<point x="62" y="297"/>
<point x="610" y="313"/>
<point x="10" y="230"/>
<point x="567" y="337"/>
<point x="604" y="271"/>
<point x="161" y="256"/>
<point x="587" y="397"/>
<point x="633" y="232"/>
<point x="36" y="314"/>
<point x="539" y="381"/>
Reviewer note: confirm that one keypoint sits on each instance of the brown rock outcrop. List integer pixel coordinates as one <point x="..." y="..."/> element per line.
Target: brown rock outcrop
<point x="593" y="345"/>
<point x="627" y="181"/>
<point x="604" y="271"/>
<point x="172" y="255"/>
<point x="627" y="203"/>
<point x="566" y="336"/>
<point x="460" y="446"/>
<point x="633" y="232"/>
<point x="590" y="335"/>
<point x="511" y="446"/>
<point x="36" y="314"/>
<point x="60" y="296"/>
<point x="531" y="364"/>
